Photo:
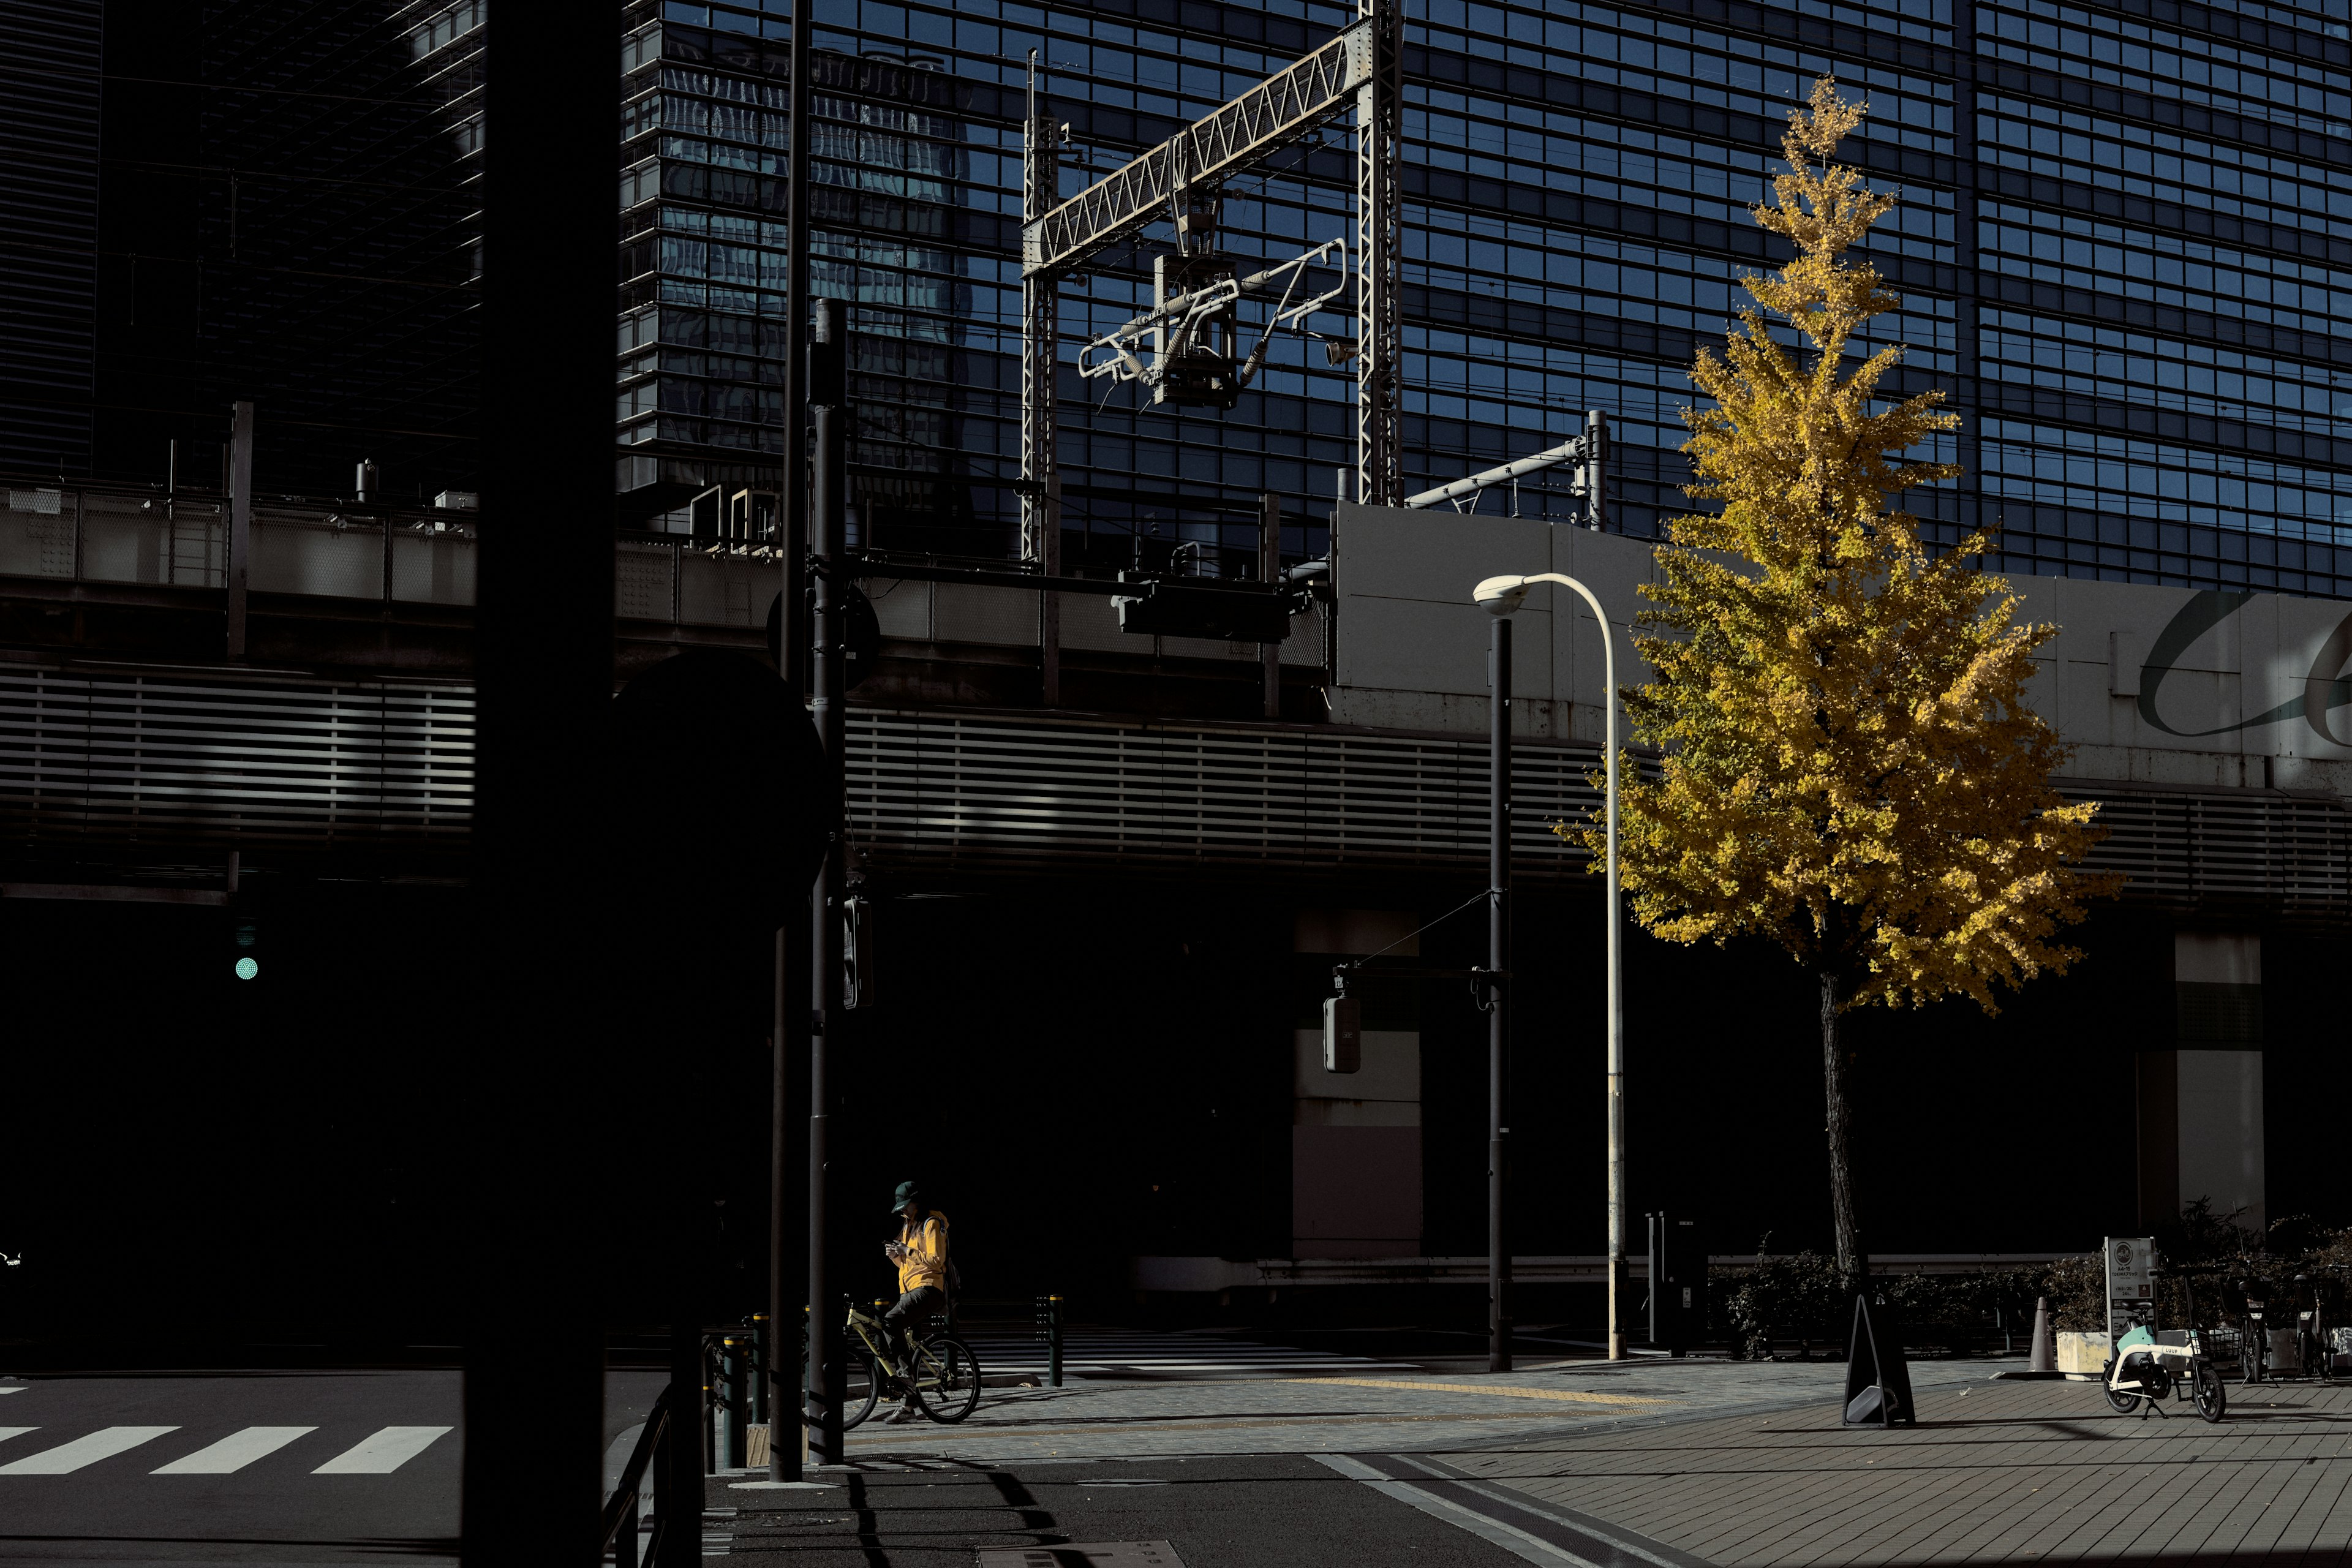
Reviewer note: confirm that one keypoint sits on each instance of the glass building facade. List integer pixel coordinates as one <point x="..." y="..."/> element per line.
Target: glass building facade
<point x="231" y="200"/>
<point x="2125" y="242"/>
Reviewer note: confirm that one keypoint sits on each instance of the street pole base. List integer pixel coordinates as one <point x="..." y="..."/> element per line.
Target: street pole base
<point x="1617" y="1347"/>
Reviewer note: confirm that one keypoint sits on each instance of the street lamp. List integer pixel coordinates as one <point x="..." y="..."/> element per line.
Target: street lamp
<point x="1501" y="597"/>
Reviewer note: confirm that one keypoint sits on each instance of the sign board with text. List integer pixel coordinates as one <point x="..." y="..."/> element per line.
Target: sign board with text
<point x="2131" y="1285"/>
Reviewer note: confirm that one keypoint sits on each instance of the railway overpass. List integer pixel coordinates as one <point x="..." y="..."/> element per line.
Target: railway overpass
<point x="136" y="759"/>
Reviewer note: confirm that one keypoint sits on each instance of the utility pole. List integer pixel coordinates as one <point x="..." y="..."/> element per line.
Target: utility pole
<point x="785" y="1396"/>
<point x="536" y="1059"/>
<point x="825" y="505"/>
<point x="1498" y="961"/>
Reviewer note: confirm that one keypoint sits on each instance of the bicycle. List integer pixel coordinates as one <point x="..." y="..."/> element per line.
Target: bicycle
<point x="942" y="1375"/>
<point x="2314" y="1347"/>
<point x="2143" y="1369"/>
<point x="2256" y="1356"/>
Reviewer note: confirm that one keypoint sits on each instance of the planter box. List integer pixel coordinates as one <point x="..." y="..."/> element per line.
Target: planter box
<point x="2081" y="1354"/>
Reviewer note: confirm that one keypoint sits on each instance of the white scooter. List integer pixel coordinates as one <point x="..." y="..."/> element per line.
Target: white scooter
<point x="2142" y="1369"/>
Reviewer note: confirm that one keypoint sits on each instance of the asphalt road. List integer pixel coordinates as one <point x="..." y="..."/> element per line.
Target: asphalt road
<point x="284" y="1467"/>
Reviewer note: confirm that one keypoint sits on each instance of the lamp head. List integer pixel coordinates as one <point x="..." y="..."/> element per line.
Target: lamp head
<point x="1501" y="596"/>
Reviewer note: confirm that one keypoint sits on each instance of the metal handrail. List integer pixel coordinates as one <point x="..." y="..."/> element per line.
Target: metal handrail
<point x="620" y="1522"/>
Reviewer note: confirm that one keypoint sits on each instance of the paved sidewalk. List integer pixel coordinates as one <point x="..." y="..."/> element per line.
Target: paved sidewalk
<point x="1354" y="1412"/>
<point x="2025" y="1472"/>
<point x="1585" y="1465"/>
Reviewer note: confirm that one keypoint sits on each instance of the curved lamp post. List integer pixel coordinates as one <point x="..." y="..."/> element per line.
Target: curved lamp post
<point x="1501" y="597"/>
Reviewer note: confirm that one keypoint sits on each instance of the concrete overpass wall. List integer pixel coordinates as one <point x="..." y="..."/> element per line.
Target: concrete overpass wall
<point x="2164" y="686"/>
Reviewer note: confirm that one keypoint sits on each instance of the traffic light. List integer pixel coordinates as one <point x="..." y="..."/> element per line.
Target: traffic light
<point x="1343" y="1034"/>
<point x="246" y="944"/>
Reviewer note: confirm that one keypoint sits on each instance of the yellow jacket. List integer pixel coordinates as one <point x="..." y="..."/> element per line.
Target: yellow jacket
<point x="926" y="1262"/>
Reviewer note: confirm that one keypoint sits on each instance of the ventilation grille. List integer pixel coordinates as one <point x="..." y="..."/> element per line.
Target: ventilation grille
<point x="170" y="761"/>
<point x="947" y="791"/>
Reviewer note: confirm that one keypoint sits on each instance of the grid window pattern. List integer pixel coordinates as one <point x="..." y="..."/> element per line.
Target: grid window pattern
<point x="2125" y="244"/>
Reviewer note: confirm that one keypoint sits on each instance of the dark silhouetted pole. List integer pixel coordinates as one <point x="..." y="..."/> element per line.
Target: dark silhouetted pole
<point x="786" y="1396"/>
<point x="538" y="1050"/>
<point x="1269" y="571"/>
<point x="240" y="518"/>
<point x="826" y="503"/>
<point x="1498" y="961"/>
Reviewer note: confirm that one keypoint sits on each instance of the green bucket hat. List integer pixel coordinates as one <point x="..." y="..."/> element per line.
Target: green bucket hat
<point x="906" y="1194"/>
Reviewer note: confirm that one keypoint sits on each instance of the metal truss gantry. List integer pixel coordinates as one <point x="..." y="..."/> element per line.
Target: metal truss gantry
<point x="1360" y="70"/>
<point x="1379" y="258"/>
<point x="1589" y="453"/>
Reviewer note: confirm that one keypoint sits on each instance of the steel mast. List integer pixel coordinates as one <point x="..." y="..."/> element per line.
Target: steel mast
<point x="1361" y="70"/>
<point x="1380" y="259"/>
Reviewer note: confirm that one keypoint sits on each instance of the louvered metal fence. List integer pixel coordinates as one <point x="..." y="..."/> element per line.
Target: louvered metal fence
<point x="171" y="760"/>
<point x="174" y="762"/>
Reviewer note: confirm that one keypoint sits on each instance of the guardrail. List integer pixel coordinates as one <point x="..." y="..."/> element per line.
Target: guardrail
<point x="622" y="1525"/>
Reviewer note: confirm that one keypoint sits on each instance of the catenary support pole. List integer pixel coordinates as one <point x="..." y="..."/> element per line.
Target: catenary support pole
<point x="535" y="1060"/>
<point x="1041" y="477"/>
<point x="1380" y="260"/>
<point x="240" y="520"/>
<point x="1498" y="961"/>
<point x="826" y="504"/>
<point x="1269" y="569"/>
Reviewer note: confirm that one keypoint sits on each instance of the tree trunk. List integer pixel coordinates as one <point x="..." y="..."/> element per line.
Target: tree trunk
<point x="1852" y="1263"/>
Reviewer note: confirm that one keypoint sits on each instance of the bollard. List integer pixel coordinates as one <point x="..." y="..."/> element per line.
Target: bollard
<point x="734" y="1364"/>
<point x="709" y="1421"/>
<point x="758" y="1368"/>
<point x="1049" y="1318"/>
<point x="2045" y="1353"/>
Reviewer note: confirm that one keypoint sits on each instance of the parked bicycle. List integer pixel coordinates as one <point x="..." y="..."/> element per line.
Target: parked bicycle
<point x="2143" y="1369"/>
<point x="2315" y="1333"/>
<point x="2255" y="1351"/>
<point x="939" y="1371"/>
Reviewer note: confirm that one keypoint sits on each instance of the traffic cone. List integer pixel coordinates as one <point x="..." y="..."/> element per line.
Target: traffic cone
<point x="2045" y="1347"/>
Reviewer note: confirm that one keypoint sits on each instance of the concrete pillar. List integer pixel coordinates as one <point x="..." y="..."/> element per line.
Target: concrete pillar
<point x="2201" y="1103"/>
<point x="1355" y="1138"/>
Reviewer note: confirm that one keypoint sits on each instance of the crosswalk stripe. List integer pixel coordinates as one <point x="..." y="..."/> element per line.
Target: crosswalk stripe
<point x="8" y="1432"/>
<point x="234" y="1452"/>
<point x="67" y="1458"/>
<point x="13" y="1388"/>
<point x="384" y="1453"/>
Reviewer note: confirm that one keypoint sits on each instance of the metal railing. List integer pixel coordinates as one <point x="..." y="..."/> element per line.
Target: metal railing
<point x="622" y="1525"/>
<point x="91" y="533"/>
<point x="734" y="1395"/>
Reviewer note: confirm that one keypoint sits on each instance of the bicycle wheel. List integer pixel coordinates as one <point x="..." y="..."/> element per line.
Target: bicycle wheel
<point x="861" y="1386"/>
<point x="2124" y="1403"/>
<point x="947" y="1380"/>
<point x="2206" y="1389"/>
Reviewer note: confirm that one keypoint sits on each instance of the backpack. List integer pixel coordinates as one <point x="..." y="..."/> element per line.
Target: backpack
<point x="954" y="1278"/>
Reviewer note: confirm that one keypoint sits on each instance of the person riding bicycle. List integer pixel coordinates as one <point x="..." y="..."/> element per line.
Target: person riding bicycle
<point x="921" y="1254"/>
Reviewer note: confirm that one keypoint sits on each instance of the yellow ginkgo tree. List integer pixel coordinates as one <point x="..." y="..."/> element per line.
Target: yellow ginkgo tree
<point x="1848" y="766"/>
